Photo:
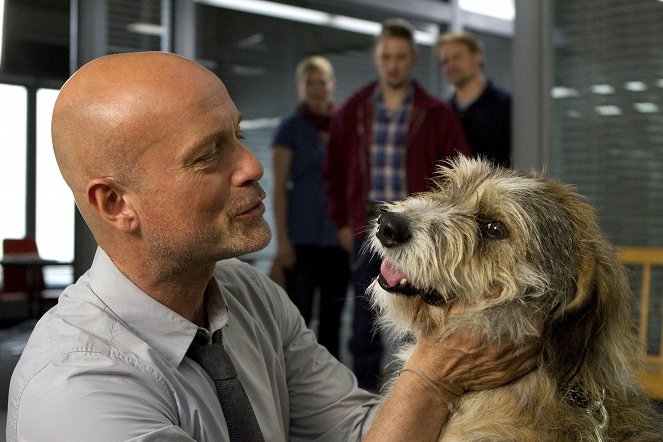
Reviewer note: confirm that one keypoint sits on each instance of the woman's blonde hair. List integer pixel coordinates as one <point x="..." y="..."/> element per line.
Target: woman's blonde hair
<point x="311" y="64"/>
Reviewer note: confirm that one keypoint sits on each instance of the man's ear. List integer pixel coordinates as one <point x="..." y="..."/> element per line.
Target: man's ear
<point x="110" y="201"/>
<point x="480" y="60"/>
<point x="415" y="57"/>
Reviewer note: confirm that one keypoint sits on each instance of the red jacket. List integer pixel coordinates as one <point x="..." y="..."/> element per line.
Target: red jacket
<point x="434" y="134"/>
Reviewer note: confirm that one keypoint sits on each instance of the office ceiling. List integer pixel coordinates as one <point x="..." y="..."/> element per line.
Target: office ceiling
<point x="37" y="32"/>
<point x="36" y="38"/>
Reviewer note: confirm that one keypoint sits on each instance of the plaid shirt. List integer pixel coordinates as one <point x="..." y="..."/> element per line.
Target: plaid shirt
<point x="388" y="149"/>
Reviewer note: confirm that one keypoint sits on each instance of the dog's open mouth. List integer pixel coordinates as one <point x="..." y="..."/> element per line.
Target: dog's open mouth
<point x="394" y="281"/>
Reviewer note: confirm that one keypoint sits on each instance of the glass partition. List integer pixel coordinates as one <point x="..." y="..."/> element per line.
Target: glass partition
<point x="13" y="160"/>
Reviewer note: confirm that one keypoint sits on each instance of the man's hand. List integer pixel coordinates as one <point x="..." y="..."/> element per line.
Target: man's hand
<point x="459" y="363"/>
<point x="467" y="361"/>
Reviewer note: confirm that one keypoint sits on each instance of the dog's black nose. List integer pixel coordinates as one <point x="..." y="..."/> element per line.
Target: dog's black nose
<point x="393" y="229"/>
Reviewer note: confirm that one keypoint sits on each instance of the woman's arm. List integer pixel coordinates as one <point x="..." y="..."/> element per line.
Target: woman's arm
<point x="282" y="165"/>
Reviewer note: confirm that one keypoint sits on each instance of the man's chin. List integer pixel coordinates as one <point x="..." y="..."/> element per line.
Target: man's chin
<point x="398" y="84"/>
<point x="260" y="243"/>
<point x="257" y="238"/>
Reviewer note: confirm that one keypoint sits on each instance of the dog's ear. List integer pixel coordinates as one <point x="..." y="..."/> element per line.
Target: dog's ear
<point x="585" y="283"/>
<point x="571" y="330"/>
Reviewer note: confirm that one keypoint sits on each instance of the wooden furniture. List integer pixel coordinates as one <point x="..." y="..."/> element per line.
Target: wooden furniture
<point x="645" y="264"/>
<point x="23" y="273"/>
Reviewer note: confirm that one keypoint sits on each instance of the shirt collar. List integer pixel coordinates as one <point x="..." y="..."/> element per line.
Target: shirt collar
<point x="162" y="329"/>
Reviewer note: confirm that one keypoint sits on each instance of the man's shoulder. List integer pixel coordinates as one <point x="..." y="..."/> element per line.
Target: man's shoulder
<point x="74" y="326"/>
<point x="424" y="100"/>
<point x="70" y="338"/>
<point x="497" y="93"/>
<point x="359" y="97"/>
<point x="80" y="326"/>
<point x="68" y="367"/>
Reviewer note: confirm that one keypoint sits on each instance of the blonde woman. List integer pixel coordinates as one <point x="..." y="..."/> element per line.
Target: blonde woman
<point x="308" y="253"/>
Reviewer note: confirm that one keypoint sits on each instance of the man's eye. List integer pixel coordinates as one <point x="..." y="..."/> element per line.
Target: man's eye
<point x="208" y="159"/>
<point x="240" y="135"/>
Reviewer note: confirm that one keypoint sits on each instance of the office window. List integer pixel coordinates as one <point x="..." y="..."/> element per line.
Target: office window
<point x="13" y="172"/>
<point x="55" y="204"/>
<point x="608" y="112"/>
<point x="608" y="120"/>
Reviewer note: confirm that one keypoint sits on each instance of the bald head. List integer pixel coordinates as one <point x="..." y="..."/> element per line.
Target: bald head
<point x="106" y="112"/>
<point x="151" y="146"/>
<point x="112" y="109"/>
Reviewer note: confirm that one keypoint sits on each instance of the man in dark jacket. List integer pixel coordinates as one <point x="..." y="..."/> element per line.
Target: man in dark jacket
<point x="384" y="145"/>
<point x="483" y="108"/>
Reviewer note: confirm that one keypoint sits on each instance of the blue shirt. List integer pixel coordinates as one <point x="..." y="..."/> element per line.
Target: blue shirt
<point x="109" y="363"/>
<point x="309" y="222"/>
<point x="388" y="149"/>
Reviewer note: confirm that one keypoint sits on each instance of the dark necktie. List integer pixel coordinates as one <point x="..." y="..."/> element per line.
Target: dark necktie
<point x="240" y="418"/>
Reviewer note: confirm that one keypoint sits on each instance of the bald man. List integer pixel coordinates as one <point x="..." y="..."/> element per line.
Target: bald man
<point x="150" y="145"/>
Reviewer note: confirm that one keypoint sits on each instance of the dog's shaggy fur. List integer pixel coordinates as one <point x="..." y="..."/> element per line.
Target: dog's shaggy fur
<point x="525" y="257"/>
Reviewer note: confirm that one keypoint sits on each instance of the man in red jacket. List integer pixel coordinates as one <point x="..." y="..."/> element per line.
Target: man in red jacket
<point x="384" y="145"/>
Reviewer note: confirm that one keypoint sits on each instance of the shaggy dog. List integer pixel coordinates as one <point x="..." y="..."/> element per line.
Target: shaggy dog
<point x="525" y="258"/>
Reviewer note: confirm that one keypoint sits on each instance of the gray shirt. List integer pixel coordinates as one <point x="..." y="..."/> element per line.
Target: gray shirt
<point x="109" y="363"/>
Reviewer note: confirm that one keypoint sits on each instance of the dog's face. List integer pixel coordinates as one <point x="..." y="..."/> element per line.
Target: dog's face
<point x="520" y="256"/>
<point x="509" y="249"/>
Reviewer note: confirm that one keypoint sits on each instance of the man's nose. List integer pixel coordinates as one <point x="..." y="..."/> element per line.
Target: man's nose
<point x="248" y="167"/>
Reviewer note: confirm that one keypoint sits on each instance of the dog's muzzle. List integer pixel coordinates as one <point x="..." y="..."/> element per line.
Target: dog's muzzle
<point x="393" y="229"/>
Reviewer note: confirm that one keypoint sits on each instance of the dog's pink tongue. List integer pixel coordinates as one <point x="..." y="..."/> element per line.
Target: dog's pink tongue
<point x="390" y="274"/>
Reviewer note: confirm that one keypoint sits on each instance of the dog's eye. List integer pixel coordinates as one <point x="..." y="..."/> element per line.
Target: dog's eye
<point x="493" y="229"/>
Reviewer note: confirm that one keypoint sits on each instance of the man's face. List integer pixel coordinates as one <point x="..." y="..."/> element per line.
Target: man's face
<point x="199" y="200"/>
<point x="394" y="59"/>
<point x="459" y="64"/>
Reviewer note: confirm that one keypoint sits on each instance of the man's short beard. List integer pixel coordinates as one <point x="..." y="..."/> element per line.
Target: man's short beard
<point x="397" y="86"/>
<point x="465" y="80"/>
<point x="177" y="255"/>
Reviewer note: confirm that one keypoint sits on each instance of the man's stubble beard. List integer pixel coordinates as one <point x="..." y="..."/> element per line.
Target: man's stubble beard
<point x="204" y="246"/>
<point x="403" y="84"/>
